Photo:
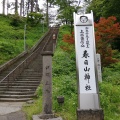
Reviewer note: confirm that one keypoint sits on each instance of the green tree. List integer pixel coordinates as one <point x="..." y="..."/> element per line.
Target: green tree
<point x="97" y="6"/>
<point x="66" y="9"/>
<point x="112" y="8"/>
<point x="104" y="8"/>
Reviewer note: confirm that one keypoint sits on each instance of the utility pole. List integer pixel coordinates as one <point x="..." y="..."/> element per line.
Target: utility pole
<point x="47" y="18"/>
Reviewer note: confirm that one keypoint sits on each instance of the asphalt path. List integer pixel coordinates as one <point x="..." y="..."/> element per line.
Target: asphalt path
<point x="11" y="111"/>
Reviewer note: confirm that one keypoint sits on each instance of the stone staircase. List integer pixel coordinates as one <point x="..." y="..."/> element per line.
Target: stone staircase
<point x="24" y="86"/>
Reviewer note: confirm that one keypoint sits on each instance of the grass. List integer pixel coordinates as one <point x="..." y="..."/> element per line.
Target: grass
<point x="12" y="37"/>
<point x="33" y="109"/>
<point x="36" y="107"/>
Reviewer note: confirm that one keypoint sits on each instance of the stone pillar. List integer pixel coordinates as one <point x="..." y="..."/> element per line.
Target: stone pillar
<point x="99" y="67"/>
<point x="47" y="82"/>
<point x="54" y="41"/>
<point x="47" y="113"/>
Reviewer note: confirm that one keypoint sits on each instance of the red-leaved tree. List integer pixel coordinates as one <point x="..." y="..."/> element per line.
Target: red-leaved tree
<point x="105" y="33"/>
<point x="106" y="30"/>
<point x="69" y="41"/>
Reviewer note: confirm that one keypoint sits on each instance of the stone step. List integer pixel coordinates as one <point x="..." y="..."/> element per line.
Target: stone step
<point x="19" y="84"/>
<point x="28" y="79"/>
<point x="23" y="81"/>
<point x="24" y="87"/>
<point x="31" y="74"/>
<point x="17" y="96"/>
<point x="14" y="99"/>
<point x="19" y="92"/>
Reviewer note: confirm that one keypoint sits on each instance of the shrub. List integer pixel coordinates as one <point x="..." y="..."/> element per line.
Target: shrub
<point x="34" y="18"/>
<point x="68" y="42"/>
<point x="106" y="30"/>
<point x="16" y="20"/>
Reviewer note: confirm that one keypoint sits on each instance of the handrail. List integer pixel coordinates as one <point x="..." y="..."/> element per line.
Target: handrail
<point x="18" y="70"/>
<point x="7" y="64"/>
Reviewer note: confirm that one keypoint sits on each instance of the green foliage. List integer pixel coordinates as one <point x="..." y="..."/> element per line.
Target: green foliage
<point x="65" y="84"/>
<point x="104" y="8"/>
<point x="16" y="20"/>
<point x="8" y="48"/>
<point x="64" y="80"/>
<point x="109" y="92"/>
<point x="39" y="91"/>
<point x="110" y="100"/>
<point x="12" y="37"/>
<point x="33" y="109"/>
<point x="109" y="76"/>
<point x="97" y="7"/>
<point x="67" y="67"/>
<point x="66" y="9"/>
<point x="34" y="18"/>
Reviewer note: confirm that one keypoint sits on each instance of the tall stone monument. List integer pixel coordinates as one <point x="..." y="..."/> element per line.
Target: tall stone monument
<point x="88" y="94"/>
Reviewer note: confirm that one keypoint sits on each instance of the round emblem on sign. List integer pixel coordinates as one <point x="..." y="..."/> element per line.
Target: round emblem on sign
<point x="83" y="19"/>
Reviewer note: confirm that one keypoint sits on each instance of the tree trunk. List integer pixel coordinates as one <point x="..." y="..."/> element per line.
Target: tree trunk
<point x="36" y="5"/>
<point x="8" y="5"/>
<point x="16" y="6"/>
<point x="3" y="7"/>
<point x="21" y="7"/>
<point x="28" y="7"/>
<point x="71" y="27"/>
<point x="32" y="6"/>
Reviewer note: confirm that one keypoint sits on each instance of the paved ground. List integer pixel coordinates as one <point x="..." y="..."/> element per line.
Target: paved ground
<point x="11" y="111"/>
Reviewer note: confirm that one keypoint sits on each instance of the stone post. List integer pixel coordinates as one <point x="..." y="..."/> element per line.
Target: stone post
<point x="47" y="83"/>
<point x="54" y="41"/>
<point x="47" y="113"/>
<point x="99" y="67"/>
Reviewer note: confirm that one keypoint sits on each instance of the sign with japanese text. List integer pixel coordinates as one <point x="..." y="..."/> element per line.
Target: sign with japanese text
<point x="85" y="52"/>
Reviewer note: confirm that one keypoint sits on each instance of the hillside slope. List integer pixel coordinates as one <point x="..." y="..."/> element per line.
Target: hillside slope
<point x="12" y="36"/>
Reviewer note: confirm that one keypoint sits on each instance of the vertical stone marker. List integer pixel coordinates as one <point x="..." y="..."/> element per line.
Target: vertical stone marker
<point x="47" y="113"/>
<point x="88" y="94"/>
<point x="47" y="82"/>
<point x="99" y="67"/>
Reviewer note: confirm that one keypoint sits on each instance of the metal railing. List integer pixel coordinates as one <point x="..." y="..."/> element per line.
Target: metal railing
<point x="19" y="69"/>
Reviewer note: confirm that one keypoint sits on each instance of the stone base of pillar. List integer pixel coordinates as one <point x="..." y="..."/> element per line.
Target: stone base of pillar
<point x="90" y="114"/>
<point x="46" y="117"/>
